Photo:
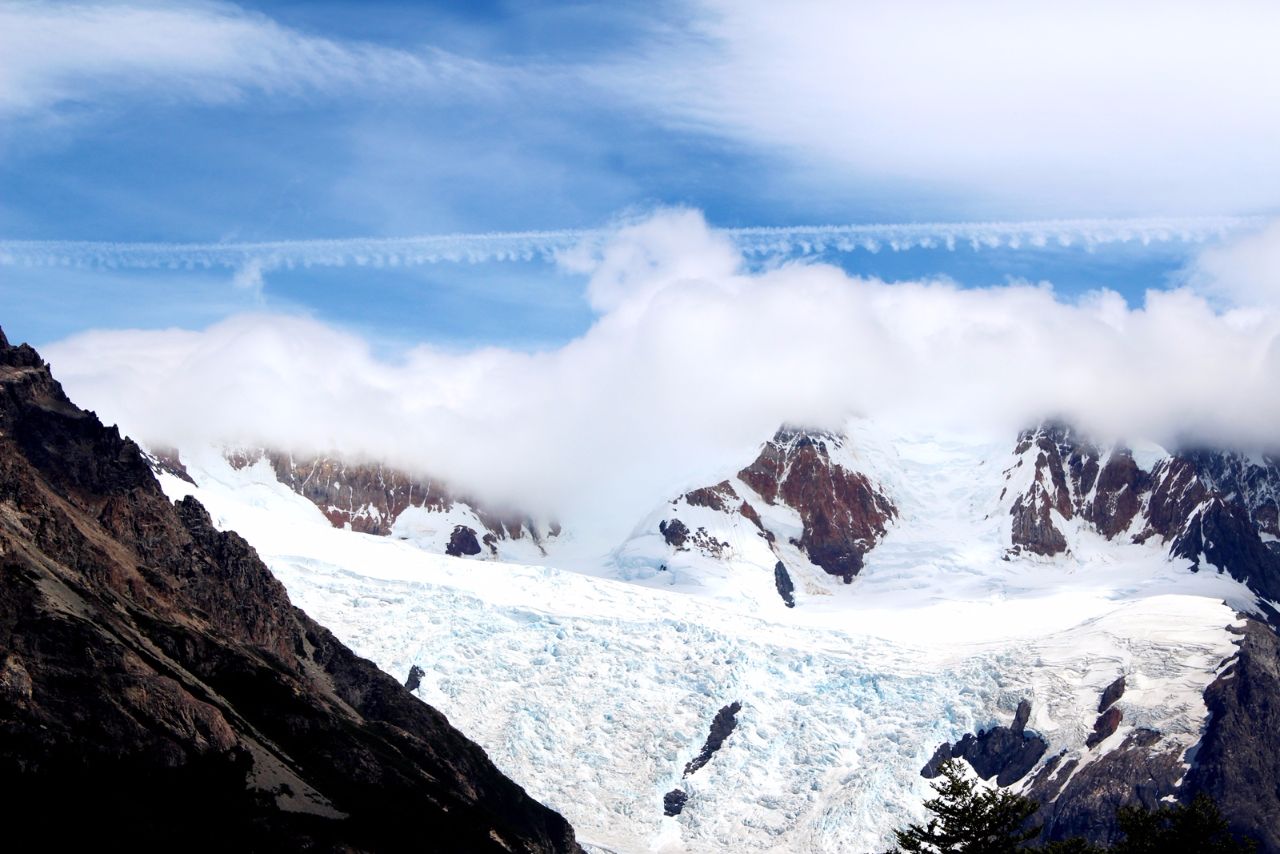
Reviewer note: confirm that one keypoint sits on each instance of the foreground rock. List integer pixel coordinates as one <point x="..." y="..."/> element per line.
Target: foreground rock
<point x="158" y="691"/>
<point x="1237" y="761"/>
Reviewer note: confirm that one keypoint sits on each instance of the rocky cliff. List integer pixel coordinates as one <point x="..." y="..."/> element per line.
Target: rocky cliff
<point x="1211" y="507"/>
<point x="842" y="512"/>
<point x="159" y="691"/>
<point x="1237" y="760"/>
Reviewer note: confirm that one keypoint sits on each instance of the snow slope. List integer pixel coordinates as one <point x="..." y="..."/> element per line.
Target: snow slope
<point x="593" y="692"/>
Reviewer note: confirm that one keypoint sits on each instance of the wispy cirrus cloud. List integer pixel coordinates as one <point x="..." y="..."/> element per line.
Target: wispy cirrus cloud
<point x="252" y="259"/>
<point x="1053" y="106"/>
<point x="55" y="54"/>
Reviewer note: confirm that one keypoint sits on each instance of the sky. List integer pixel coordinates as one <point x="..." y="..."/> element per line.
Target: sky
<point x="167" y="170"/>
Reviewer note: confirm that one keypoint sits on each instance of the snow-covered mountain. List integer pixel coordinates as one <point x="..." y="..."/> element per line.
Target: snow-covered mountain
<point x="1213" y="508"/>
<point x="911" y="615"/>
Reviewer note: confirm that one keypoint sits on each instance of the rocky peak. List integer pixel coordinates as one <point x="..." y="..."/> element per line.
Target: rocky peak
<point x="1065" y="475"/>
<point x="805" y="474"/>
<point x="842" y="511"/>
<point x="1210" y="506"/>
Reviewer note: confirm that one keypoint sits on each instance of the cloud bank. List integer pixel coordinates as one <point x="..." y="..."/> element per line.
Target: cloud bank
<point x="694" y="358"/>
<point x="1243" y="271"/>
<point x="1086" y="105"/>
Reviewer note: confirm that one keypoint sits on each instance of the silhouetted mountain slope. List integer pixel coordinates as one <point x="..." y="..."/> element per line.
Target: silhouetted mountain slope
<point x="159" y="691"/>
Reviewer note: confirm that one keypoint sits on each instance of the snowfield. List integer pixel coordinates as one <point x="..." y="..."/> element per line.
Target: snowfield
<point x="593" y="686"/>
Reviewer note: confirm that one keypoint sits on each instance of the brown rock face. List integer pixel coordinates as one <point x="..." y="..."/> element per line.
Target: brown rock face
<point x="1111" y="694"/>
<point x="844" y="514"/>
<point x="1104" y="727"/>
<point x="1075" y="478"/>
<point x="158" y="691"/>
<point x="719" y="497"/>
<point x="1033" y="527"/>
<point x="1206" y="505"/>
<point x="370" y="497"/>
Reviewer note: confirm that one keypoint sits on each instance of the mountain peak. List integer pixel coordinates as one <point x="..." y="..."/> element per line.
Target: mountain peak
<point x="789" y="434"/>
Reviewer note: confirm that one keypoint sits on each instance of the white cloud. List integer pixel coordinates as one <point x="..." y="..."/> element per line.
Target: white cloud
<point x="1085" y="106"/>
<point x="56" y="53"/>
<point x="1242" y="271"/>
<point x="692" y="361"/>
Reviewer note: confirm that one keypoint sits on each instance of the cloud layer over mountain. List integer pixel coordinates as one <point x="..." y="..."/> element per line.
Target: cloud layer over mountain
<point x="691" y="362"/>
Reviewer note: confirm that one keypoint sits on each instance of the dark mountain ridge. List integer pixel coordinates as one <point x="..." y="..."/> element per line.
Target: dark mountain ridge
<point x="159" y="691"/>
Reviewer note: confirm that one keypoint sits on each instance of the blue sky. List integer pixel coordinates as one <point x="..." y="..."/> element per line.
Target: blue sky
<point x="212" y="122"/>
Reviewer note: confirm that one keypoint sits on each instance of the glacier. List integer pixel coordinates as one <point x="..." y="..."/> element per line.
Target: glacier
<point x="592" y="681"/>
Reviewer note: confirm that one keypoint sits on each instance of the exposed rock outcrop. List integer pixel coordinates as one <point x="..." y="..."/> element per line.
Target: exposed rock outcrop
<point x="167" y="461"/>
<point x="1104" y="727"/>
<point x="786" y="588"/>
<point x="843" y="512"/>
<point x="415" y="678"/>
<point x="1006" y="753"/>
<point x="1111" y="693"/>
<point x="1209" y="507"/>
<point x="1068" y="476"/>
<point x="462" y="542"/>
<point x="158" y="688"/>
<point x="674" y="532"/>
<point x="808" y="475"/>
<point x="722" y="726"/>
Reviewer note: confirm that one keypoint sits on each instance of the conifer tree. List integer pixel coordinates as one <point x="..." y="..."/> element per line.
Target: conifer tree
<point x="1197" y="826"/>
<point x="969" y="819"/>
